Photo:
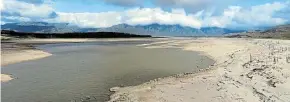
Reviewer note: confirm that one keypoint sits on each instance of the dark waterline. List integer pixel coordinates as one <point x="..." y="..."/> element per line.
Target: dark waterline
<point x="77" y="70"/>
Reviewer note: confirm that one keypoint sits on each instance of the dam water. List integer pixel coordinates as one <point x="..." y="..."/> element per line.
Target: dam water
<point x="86" y="71"/>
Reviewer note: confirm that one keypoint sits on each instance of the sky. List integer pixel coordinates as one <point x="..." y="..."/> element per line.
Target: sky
<point x="192" y="13"/>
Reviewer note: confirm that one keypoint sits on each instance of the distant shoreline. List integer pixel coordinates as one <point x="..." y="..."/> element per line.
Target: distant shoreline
<point x="72" y="35"/>
<point x="19" y="50"/>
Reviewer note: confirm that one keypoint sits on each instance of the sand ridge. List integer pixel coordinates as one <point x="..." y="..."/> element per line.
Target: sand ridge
<point x="246" y="70"/>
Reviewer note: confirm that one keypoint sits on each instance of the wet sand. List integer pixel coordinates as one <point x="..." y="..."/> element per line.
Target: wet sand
<point x="77" y="71"/>
<point x="14" y="53"/>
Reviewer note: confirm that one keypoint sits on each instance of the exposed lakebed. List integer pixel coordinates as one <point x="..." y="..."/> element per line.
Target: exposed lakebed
<point x="78" y="70"/>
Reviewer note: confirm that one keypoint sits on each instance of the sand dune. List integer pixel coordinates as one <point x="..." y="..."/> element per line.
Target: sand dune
<point x="246" y="70"/>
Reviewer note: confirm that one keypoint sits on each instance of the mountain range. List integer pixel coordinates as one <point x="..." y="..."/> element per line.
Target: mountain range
<point x="43" y="27"/>
<point x="152" y="29"/>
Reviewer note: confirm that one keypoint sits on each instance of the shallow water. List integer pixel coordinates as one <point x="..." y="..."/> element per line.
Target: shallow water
<point x="78" y="70"/>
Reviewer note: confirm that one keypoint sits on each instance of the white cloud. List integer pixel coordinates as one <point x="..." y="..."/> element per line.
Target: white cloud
<point x="261" y="14"/>
<point x="133" y="17"/>
<point x="124" y="2"/>
<point x="194" y="6"/>
<point x="233" y="16"/>
<point x="236" y="16"/>
<point x="15" y="18"/>
<point x="24" y="9"/>
<point x="182" y="3"/>
<point x="156" y="15"/>
<point x="1" y="5"/>
<point x="103" y="19"/>
<point x="37" y="1"/>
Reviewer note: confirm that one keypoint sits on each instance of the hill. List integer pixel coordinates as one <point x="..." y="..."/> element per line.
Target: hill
<point x="279" y="32"/>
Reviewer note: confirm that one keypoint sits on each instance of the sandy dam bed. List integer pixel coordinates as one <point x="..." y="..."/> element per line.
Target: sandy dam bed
<point x="246" y="70"/>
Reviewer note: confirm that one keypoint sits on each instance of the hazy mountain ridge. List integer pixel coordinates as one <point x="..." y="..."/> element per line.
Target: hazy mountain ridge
<point x="152" y="29"/>
<point x="281" y="32"/>
<point x="169" y="30"/>
<point x="43" y="27"/>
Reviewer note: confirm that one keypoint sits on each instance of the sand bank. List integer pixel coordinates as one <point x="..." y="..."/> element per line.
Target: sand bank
<point x="22" y="55"/>
<point x="5" y="78"/>
<point x="16" y="52"/>
<point x="246" y="70"/>
<point x="19" y="55"/>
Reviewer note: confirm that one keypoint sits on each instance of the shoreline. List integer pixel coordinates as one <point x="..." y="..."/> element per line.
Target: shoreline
<point x="12" y="53"/>
<point x="20" y="50"/>
<point x="244" y="71"/>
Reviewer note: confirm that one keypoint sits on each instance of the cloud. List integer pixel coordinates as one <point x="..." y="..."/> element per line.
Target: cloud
<point x="194" y="6"/>
<point x="27" y="9"/>
<point x="157" y="15"/>
<point x="284" y="13"/>
<point x="231" y="17"/>
<point x="134" y="16"/>
<point x="15" y="19"/>
<point x="187" y="4"/>
<point x="126" y="3"/>
<point x="1" y="5"/>
<point x="268" y="14"/>
<point x="33" y="1"/>
<point x="236" y="16"/>
<point x="21" y="11"/>
<point x="103" y="19"/>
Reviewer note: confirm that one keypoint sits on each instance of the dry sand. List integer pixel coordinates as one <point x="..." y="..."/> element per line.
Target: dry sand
<point x="246" y="70"/>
